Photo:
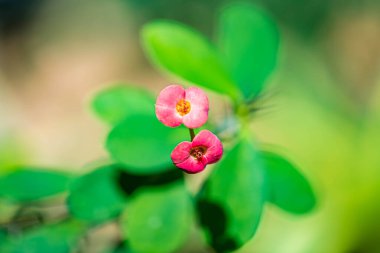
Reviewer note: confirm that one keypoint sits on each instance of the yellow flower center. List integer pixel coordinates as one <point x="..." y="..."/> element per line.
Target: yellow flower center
<point x="183" y="107"/>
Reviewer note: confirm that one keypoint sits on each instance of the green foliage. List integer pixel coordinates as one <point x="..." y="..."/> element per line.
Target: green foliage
<point x="121" y="247"/>
<point x="143" y="187"/>
<point x="186" y="53"/>
<point x="12" y="153"/>
<point x="29" y="184"/>
<point x="231" y="200"/>
<point x="144" y="144"/>
<point x="115" y="103"/>
<point x="248" y="40"/>
<point x="158" y="221"/>
<point x="288" y="188"/>
<point x="57" y="238"/>
<point x="130" y="182"/>
<point x="3" y="235"/>
<point x="96" y="196"/>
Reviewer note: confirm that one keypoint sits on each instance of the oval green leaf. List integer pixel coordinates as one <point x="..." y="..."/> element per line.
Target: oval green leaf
<point x="288" y="188"/>
<point x="144" y="144"/>
<point x="130" y="182"/>
<point x="57" y="238"/>
<point x="96" y="196"/>
<point x="158" y="221"/>
<point x="184" y="52"/>
<point x="3" y="235"/>
<point x="231" y="200"/>
<point x="115" y="103"/>
<point x="120" y="247"/>
<point x="29" y="184"/>
<point x="249" y="41"/>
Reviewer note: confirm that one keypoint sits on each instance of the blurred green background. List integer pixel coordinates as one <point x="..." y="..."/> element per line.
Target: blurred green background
<point x="321" y="106"/>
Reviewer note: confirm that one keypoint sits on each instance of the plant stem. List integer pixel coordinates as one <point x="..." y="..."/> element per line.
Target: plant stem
<point x="192" y="134"/>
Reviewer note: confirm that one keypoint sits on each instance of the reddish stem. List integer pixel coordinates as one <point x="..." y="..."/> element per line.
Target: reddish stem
<point x="192" y="134"/>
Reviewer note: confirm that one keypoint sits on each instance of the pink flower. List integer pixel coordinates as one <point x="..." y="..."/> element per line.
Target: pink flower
<point x="193" y="156"/>
<point x="175" y="106"/>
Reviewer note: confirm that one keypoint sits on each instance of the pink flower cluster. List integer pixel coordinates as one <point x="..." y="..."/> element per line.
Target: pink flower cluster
<point x="175" y="106"/>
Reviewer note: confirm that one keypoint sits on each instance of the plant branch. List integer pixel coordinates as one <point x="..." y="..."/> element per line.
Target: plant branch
<point x="192" y="134"/>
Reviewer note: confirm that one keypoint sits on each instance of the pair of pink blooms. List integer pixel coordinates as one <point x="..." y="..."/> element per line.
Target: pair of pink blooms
<point x="176" y="106"/>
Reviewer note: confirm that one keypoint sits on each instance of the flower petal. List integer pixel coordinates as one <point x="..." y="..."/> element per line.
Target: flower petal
<point x="181" y="152"/>
<point x="168" y="116"/>
<point x="197" y="97"/>
<point x="192" y="165"/>
<point x="195" y="118"/>
<point x="170" y="96"/>
<point x="198" y="114"/>
<point x="166" y="105"/>
<point x="214" y="153"/>
<point x="205" y="138"/>
<point x="212" y="143"/>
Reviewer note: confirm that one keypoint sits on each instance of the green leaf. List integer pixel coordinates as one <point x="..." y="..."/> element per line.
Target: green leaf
<point x="28" y="184"/>
<point x="12" y="153"/>
<point x="184" y="52"/>
<point x="97" y="196"/>
<point x="231" y="200"/>
<point x="115" y="103"/>
<point x="288" y="188"/>
<point x="249" y="41"/>
<point x="121" y="247"/>
<point x="57" y="238"/>
<point x="158" y="221"/>
<point x="144" y="144"/>
<point x="3" y="235"/>
<point x="130" y="182"/>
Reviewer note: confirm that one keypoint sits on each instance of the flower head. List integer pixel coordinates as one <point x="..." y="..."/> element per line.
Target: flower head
<point x="192" y="157"/>
<point x="175" y="106"/>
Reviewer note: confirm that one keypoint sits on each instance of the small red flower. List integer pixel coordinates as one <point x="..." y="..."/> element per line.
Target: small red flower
<point x="192" y="157"/>
<point x="175" y="106"/>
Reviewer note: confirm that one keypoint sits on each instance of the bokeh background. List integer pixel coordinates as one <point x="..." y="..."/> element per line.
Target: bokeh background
<point x="322" y="104"/>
